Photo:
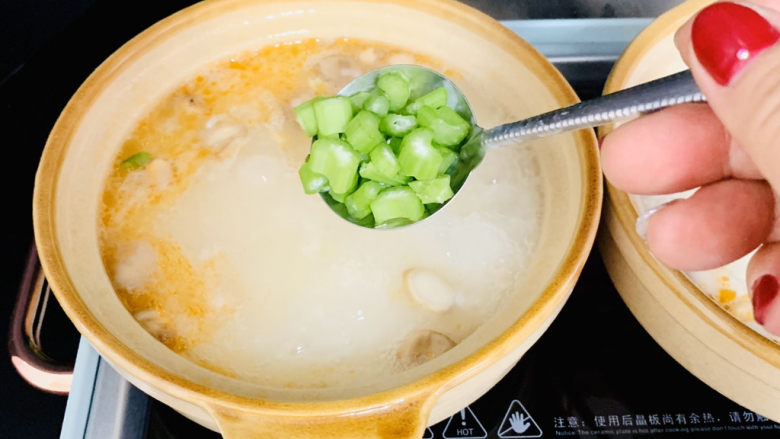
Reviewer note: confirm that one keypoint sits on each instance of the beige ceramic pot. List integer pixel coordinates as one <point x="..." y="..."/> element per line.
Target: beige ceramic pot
<point x="498" y="70"/>
<point x="702" y="319"/>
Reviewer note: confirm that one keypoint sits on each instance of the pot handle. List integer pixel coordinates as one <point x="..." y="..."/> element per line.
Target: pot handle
<point x="402" y="419"/>
<point x="24" y="345"/>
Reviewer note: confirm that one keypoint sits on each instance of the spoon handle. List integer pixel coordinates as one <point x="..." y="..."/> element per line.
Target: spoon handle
<point x="650" y="96"/>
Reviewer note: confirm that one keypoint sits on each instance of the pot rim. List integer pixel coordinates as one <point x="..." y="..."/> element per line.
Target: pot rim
<point x="704" y="307"/>
<point x="550" y="300"/>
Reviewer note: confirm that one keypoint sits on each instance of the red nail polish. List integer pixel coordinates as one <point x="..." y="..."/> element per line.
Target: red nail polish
<point x="726" y="36"/>
<point x="764" y="293"/>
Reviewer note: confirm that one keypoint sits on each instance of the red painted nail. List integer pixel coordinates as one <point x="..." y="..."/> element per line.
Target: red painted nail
<point x="764" y="293"/>
<point x="726" y="36"/>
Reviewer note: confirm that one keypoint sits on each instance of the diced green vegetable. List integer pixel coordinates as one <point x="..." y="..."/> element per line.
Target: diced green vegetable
<point x="341" y="198"/>
<point x="335" y="136"/>
<point x="332" y="115"/>
<point x="137" y="160"/>
<point x="313" y="182"/>
<point x="384" y="160"/>
<point x="449" y="129"/>
<point x="370" y="172"/>
<point x="304" y="113"/>
<point x="359" y="202"/>
<point x="448" y="157"/>
<point x="362" y="132"/>
<point x="374" y="166"/>
<point x="337" y="161"/>
<point x="397" y="124"/>
<point x="397" y="202"/>
<point x="358" y="99"/>
<point x="395" y="144"/>
<point x="418" y="157"/>
<point x="396" y="89"/>
<point x="470" y="154"/>
<point x="437" y="190"/>
<point x="434" y="99"/>
<point x="377" y="103"/>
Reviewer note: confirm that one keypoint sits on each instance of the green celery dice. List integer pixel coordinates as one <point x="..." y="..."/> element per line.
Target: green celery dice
<point x="370" y="172"/>
<point x="396" y="88"/>
<point x="313" y="182"/>
<point x="341" y="197"/>
<point x="449" y="129"/>
<point x="434" y="99"/>
<point x="418" y="157"/>
<point x="448" y="157"/>
<point x="397" y="125"/>
<point x="137" y="160"/>
<point x="358" y="99"/>
<point x="397" y="203"/>
<point x="384" y="160"/>
<point x="359" y="202"/>
<point x="362" y="132"/>
<point x="377" y="103"/>
<point x="395" y="144"/>
<point x="337" y="161"/>
<point x="437" y="190"/>
<point x="304" y="113"/>
<point x="332" y="115"/>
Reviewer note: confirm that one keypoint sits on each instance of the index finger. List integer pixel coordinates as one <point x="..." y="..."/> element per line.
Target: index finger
<point x="673" y="150"/>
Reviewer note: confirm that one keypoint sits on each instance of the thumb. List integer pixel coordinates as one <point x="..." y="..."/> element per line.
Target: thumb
<point x="733" y="54"/>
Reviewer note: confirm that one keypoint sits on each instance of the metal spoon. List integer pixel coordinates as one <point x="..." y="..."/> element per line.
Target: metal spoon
<point x="670" y="90"/>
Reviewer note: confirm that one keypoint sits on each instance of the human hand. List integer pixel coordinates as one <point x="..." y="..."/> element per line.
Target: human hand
<point x="729" y="147"/>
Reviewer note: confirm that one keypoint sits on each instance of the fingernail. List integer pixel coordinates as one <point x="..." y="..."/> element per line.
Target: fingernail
<point x="764" y="293"/>
<point x="727" y="36"/>
<point x="643" y="221"/>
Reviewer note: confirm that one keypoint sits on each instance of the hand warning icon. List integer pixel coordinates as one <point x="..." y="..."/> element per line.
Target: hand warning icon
<point x="518" y="423"/>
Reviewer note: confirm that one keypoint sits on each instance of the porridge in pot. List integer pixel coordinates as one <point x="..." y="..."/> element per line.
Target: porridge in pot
<point x="213" y="247"/>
